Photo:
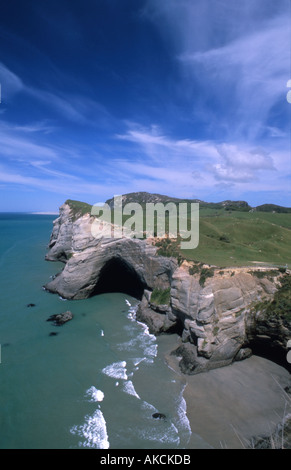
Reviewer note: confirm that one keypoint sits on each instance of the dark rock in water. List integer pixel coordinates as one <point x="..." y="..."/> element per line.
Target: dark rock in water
<point x="53" y="333"/>
<point x="30" y="305"/>
<point x="189" y="363"/>
<point x="157" y="323"/>
<point x="5" y="345"/>
<point x="159" y="416"/>
<point x="61" y="318"/>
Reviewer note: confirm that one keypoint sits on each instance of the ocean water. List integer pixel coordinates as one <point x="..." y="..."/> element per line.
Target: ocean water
<point x="97" y="380"/>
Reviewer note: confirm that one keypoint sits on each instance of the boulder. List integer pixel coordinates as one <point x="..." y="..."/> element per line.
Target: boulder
<point x="158" y="416"/>
<point x="157" y="322"/>
<point x="243" y="353"/>
<point x="60" y="318"/>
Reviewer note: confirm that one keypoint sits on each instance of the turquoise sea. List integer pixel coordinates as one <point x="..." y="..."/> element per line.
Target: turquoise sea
<point x="96" y="381"/>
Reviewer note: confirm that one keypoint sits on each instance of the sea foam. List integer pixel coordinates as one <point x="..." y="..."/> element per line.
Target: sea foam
<point x="95" y="394"/>
<point x="94" y="431"/>
<point x="128" y="387"/>
<point x="117" y="370"/>
<point x="183" y="422"/>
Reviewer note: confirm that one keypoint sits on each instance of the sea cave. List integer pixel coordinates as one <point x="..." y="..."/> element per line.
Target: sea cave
<point x="118" y="276"/>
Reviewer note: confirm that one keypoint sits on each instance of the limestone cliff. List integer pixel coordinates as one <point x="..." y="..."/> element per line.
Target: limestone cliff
<point x="215" y="318"/>
<point x="87" y="259"/>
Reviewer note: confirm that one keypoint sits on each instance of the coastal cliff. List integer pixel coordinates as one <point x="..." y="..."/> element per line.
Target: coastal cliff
<point x="215" y="311"/>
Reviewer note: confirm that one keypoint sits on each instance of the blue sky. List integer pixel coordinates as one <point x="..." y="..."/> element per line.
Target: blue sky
<point x="179" y="97"/>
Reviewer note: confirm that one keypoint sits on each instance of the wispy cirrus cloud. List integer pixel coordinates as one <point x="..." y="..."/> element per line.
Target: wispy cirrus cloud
<point x="234" y="59"/>
<point x="64" y="186"/>
<point x="190" y="101"/>
<point x="157" y="145"/>
<point x="250" y="71"/>
<point x="16" y="146"/>
<point x="11" y="84"/>
<point x="73" y="107"/>
<point x="200" y="166"/>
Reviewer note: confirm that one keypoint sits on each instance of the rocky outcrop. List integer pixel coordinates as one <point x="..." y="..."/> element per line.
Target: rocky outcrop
<point x="268" y="336"/>
<point x="215" y="319"/>
<point x="158" y="318"/>
<point x="219" y="320"/>
<point x="85" y="257"/>
<point x="60" y="319"/>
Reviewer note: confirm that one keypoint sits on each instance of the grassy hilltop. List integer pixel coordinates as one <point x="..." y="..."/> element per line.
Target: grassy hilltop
<point x="230" y="238"/>
<point x="231" y="233"/>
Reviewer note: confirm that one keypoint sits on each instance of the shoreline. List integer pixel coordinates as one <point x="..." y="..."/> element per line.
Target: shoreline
<point x="230" y="406"/>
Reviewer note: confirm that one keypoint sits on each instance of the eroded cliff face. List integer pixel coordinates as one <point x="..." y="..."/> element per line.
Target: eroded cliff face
<point x="216" y="321"/>
<point x="85" y="258"/>
<point x="217" y="317"/>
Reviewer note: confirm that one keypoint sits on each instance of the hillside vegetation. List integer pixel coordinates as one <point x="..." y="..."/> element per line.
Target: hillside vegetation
<point x="78" y="208"/>
<point x="280" y="305"/>
<point x="231" y="233"/>
<point x="234" y="238"/>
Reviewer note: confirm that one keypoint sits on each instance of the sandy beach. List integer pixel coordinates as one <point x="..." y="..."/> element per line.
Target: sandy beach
<point x="230" y="405"/>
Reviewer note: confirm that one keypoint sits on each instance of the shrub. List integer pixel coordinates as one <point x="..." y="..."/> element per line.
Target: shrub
<point x="161" y="296"/>
<point x="224" y="238"/>
<point x="205" y="273"/>
<point x="215" y="330"/>
<point x="280" y="306"/>
<point x="169" y="248"/>
<point x="195" y="269"/>
<point x="282" y="270"/>
<point x="262" y="274"/>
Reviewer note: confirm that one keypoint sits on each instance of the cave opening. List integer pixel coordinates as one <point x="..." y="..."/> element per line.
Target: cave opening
<point x="267" y="350"/>
<point x="118" y="276"/>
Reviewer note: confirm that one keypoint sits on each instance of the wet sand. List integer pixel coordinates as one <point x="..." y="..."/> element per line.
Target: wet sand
<point x="230" y="405"/>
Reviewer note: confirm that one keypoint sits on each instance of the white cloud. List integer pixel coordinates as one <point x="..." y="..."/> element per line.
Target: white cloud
<point x="10" y="83"/>
<point x="158" y="146"/>
<point x="241" y="164"/>
<point x="253" y="68"/>
<point x="16" y="146"/>
<point x="41" y="127"/>
<point x="234" y="58"/>
<point x="76" y="108"/>
<point x="190" y="165"/>
<point x="66" y="185"/>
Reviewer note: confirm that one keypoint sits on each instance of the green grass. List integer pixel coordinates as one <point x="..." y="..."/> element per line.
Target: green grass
<point x="231" y="236"/>
<point x="239" y="238"/>
<point x="161" y="296"/>
<point x="78" y="209"/>
<point x="280" y="306"/>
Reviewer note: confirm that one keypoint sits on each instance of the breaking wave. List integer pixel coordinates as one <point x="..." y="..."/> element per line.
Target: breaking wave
<point x="93" y="431"/>
<point x="117" y="370"/>
<point x="95" y="394"/>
